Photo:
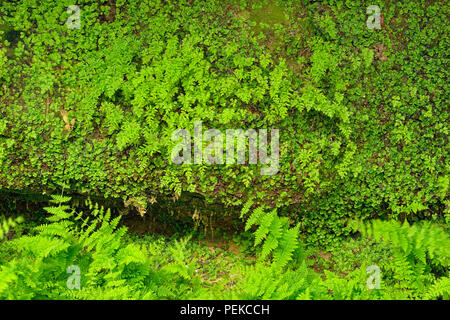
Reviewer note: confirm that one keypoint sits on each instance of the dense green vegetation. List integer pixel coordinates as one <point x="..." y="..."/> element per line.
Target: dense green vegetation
<point x="115" y="265"/>
<point x="363" y="122"/>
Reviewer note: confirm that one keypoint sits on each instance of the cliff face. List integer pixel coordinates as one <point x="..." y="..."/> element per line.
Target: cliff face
<point x="361" y="113"/>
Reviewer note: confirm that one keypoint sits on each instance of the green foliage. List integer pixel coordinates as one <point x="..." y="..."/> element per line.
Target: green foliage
<point x="112" y="265"/>
<point x="414" y="265"/>
<point x="420" y="253"/>
<point x="267" y="283"/>
<point x="362" y="114"/>
<point x="3" y="63"/>
<point x="8" y="224"/>
<point x="279" y="239"/>
<point x="421" y="241"/>
<point x="439" y="289"/>
<point x="110" y="268"/>
<point x="363" y="122"/>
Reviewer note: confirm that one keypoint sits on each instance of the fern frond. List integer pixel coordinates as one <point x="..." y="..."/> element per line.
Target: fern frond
<point x="264" y="227"/>
<point x="58" y="199"/>
<point x="439" y="289"/>
<point x="254" y="218"/>
<point x="288" y="243"/>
